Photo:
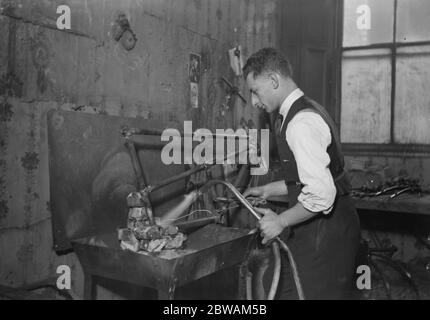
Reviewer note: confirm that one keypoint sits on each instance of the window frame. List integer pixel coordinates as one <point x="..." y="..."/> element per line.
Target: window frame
<point x="375" y="148"/>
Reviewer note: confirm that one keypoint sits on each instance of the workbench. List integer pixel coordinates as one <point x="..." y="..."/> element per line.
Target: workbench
<point x="406" y="203"/>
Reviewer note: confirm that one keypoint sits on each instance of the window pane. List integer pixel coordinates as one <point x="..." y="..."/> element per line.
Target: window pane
<point x="413" y="20"/>
<point x="412" y="107"/>
<point x="367" y="22"/>
<point x="366" y="96"/>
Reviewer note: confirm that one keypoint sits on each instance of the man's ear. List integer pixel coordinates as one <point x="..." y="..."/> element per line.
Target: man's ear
<point x="274" y="80"/>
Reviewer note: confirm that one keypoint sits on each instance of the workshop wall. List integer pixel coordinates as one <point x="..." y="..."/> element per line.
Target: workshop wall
<point x="86" y="70"/>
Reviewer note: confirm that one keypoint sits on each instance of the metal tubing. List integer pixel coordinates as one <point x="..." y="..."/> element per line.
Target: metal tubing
<point x="175" y="178"/>
<point x="147" y="131"/>
<point x="238" y="195"/>
<point x="141" y="183"/>
<point x="185" y="174"/>
<point x="196" y="223"/>
<point x="131" y="132"/>
<point x="141" y="142"/>
<point x="239" y="183"/>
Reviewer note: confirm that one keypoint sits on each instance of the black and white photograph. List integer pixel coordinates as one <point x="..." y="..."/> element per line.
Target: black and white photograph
<point x="226" y="154"/>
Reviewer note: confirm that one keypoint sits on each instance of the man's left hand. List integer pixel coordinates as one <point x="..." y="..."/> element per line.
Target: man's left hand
<point x="270" y="224"/>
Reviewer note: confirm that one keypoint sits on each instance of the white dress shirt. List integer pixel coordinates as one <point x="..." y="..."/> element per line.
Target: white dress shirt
<point x="308" y="137"/>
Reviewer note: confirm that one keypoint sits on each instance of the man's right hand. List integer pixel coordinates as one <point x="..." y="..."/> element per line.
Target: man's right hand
<point x="276" y="188"/>
<point x="260" y="191"/>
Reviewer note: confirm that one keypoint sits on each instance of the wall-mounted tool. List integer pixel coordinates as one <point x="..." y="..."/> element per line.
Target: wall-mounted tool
<point x="236" y="60"/>
<point x="231" y="90"/>
<point x="122" y="32"/>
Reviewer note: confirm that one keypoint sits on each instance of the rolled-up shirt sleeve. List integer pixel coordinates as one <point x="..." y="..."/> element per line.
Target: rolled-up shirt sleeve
<point x="308" y="137"/>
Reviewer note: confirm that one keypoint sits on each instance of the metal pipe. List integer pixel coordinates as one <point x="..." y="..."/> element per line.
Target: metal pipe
<point x="142" y="142"/>
<point x="133" y="132"/>
<point x="240" y="182"/>
<point x="177" y="177"/>
<point x="127" y="132"/>
<point x="196" y="223"/>
<point x="141" y="183"/>
<point x="186" y="174"/>
<point x="236" y="192"/>
<point x="251" y="209"/>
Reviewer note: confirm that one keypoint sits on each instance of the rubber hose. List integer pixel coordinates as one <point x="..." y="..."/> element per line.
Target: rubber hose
<point x="248" y="285"/>
<point x="293" y="268"/>
<point x="276" y="271"/>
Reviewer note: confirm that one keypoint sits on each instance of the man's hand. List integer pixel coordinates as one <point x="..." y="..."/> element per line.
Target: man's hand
<point x="276" y="188"/>
<point x="260" y="191"/>
<point x="270" y="224"/>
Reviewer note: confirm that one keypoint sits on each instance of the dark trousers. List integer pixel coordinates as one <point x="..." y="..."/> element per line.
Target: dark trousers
<point x="325" y="250"/>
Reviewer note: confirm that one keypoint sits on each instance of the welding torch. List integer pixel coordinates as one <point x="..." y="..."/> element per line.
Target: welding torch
<point x="251" y="209"/>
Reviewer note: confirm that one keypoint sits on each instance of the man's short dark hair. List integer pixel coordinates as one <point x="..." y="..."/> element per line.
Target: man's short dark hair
<point x="267" y="60"/>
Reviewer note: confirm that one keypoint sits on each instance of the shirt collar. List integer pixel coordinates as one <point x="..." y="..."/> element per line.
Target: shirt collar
<point x="288" y="102"/>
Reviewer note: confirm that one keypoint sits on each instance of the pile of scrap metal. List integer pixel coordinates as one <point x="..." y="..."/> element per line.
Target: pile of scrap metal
<point x="143" y="235"/>
<point x="393" y="188"/>
<point x="151" y="238"/>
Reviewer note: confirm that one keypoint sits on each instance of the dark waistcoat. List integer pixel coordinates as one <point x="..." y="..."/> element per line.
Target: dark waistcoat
<point x="288" y="162"/>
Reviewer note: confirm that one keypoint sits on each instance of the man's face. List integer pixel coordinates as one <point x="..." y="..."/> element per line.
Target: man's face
<point x="262" y="92"/>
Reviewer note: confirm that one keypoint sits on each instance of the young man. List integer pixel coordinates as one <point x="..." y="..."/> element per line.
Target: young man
<point x="325" y="229"/>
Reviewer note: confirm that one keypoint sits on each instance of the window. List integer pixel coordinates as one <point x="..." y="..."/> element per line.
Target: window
<point x="385" y="75"/>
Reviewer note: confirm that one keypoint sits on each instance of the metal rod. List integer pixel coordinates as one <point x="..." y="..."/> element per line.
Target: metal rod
<point x="234" y="89"/>
<point x="227" y="135"/>
<point x="195" y="223"/>
<point x="126" y="131"/>
<point x="141" y="183"/>
<point x="142" y="142"/>
<point x="133" y="132"/>
<point x="45" y="25"/>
